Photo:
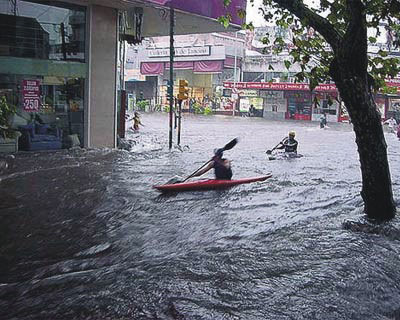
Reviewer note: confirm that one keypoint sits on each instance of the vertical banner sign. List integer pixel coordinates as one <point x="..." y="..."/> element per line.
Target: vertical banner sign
<point x="31" y="95"/>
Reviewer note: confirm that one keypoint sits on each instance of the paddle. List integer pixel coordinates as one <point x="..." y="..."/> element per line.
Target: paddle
<point x="228" y="146"/>
<point x="280" y="142"/>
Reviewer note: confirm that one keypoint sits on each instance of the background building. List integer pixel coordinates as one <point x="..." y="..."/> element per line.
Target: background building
<point x="204" y="60"/>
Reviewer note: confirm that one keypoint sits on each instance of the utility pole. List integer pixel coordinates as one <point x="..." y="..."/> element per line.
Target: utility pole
<point x="175" y="114"/>
<point x="63" y="44"/>
<point x="171" y="70"/>
<point x="234" y="74"/>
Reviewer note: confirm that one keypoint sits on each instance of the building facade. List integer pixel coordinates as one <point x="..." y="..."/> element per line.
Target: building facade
<point x="271" y="89"/>
<point x="204" y="60"/>
<point x="295" y="101"/>
<point x="59" y="60"/>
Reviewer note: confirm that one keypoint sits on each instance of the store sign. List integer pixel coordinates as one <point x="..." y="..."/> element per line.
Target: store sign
<point x="271" y="95"/>
<point x="31" y="95"/>
<point x="393" y="83"/>
<point x="248" y="93"/>
<point x="280" y="86"/>
<point x="286" y="86"/>
<point x="180" y="52"/>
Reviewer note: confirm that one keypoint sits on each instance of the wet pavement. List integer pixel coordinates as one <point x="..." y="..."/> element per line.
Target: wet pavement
<point x="84" y="236"/>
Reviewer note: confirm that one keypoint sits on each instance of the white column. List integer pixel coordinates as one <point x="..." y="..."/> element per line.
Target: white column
<point x="101" y="115"/>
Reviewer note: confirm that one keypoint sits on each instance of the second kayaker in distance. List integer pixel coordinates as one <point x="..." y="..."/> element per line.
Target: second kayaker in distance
<point x="289" y="144"/>
<point x="222" y="166"/>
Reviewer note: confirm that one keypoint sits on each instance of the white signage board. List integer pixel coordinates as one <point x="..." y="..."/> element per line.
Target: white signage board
<point x="179" y="52"/>
<point x="248" y="93"/>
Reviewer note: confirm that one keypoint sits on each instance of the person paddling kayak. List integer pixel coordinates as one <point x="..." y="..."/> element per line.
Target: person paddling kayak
<point x="289" y="143"/>
<point x="222" y="166"/>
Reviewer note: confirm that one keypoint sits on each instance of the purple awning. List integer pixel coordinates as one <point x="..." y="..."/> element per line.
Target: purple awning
<point x="151" y="68"/>
<point x="230" y="62"/>
<point x="208" y="66"/>
<point x="206" y="8"/>
<point x="181" y="65"/>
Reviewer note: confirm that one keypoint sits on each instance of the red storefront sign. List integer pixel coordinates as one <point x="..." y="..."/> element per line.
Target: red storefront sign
<point x="31" y="95"/>
<point x="394" y="83"/>
<point x="280" y="86"/>
<point x="324" y="87"/>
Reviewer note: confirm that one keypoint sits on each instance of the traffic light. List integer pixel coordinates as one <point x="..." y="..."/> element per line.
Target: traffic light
<point x="183" y="90"/>
<point x="170" y="91"/>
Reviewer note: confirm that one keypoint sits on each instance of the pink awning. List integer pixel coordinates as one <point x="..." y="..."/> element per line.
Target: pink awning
<point x="208" y="66"/>
<point x="151" y="68"/>
<point x="181" y="65"/>
<point x="206" y="8"/>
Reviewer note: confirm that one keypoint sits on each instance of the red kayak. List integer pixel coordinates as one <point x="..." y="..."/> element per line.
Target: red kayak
<point x="210" y="184"/>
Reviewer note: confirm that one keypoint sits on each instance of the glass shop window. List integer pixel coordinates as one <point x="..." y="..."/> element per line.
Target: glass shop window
<point x="42" y="30"/>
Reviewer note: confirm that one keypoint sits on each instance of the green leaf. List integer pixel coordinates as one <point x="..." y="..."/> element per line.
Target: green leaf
<point x="330" y="101"/>
<point x="383" y="53"/>
<point x="313" y="83"/>
<point x="241" y="13"/>
<point x="287" y="64"/>
<point x="224" y="20"/>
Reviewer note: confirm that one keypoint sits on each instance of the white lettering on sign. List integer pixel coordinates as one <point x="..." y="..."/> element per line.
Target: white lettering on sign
<point x="31" y="95"/>
<point x="179" y="52"/>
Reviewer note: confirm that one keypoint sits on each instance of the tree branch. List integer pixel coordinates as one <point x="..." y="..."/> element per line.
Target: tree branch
<point x="318" y="23"/>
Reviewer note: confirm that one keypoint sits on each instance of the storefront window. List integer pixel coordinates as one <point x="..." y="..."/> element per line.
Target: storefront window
<point x="274" y="101"/>
<point x="394" y="108"/>
<point x="299" y="105"/>
<point x="42" y="30"/>
<point x="326" y="103"/>
<point x="48" y="93"/>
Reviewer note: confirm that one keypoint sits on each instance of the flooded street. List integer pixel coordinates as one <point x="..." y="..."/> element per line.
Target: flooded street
<point x="84" y="236"/>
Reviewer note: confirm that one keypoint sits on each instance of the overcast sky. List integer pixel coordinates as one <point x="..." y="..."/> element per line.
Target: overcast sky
<point x="253" y="15"/>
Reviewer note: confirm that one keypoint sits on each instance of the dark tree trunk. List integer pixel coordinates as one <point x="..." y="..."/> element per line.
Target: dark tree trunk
<point x="349" y="70"/>
<point x="376" y="182"/>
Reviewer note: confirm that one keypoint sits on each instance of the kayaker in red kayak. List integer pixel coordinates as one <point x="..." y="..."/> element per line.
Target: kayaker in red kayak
<point x="222" y="166"/>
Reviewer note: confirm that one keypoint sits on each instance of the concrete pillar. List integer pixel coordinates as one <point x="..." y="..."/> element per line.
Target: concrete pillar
<point x="100" y="116"/>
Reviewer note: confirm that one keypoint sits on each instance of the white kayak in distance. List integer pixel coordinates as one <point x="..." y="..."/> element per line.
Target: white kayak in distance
<point x="284" y="156"/>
